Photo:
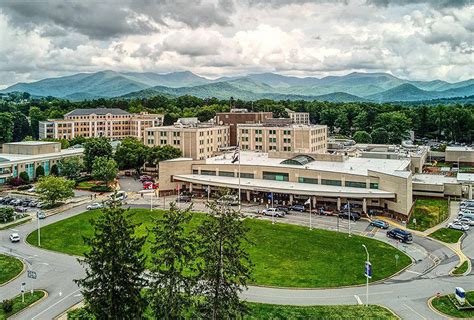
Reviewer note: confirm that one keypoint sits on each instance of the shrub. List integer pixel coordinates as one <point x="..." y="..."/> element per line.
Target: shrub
<point x="7" y="305"/>
<point x="39" y="171"/>
<point x="6" y="215"/>
<point x="83" y="178"/>
<point x="54" y="170"/>
<point x="15" y="181"/>
<point x="25" y="187"/>
<point x="79" y="314"/>
<point x="101" y="188"/>
<point x="24" y="176"/>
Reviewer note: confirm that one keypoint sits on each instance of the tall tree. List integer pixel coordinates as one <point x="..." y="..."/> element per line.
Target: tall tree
<point x="96" y="147"/>
<point x="131" y="154"/>
<point x="114" y="267"/>
<point x="52" y="189"/>
<point x="173" y="266"/>
<point x="36" y="115"/>
<point x="226" y="264"/>
<point x="6" y="127"/>
<point x="71" y="167"/>
<point x="104" y="169"/>
<point x="162" y="153"/>
<point x="362" y="137"/>
<point x="395" y="123"/>
<point x="21" y="126"/>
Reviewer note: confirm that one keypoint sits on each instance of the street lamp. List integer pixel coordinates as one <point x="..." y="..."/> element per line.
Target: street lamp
<point x="368" y="274"/>
<point x="39" y="229"/>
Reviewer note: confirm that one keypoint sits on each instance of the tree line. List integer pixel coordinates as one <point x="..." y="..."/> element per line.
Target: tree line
<point x="195" y="269"/>
<point x="384" y="123"/>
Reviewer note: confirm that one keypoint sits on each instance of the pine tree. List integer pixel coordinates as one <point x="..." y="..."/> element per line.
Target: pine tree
<point x="226" y="265"/>
<point x="114" y="267"/>
<point x="173" y="272"/>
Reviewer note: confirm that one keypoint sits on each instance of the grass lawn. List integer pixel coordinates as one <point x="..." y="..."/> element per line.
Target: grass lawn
<point x="86" y="185"/>
<point x="447" y="235"/>
<point x="10" y="267"/>
<point x="461" y="269"/>
<point x="444" y="305"/>
<point x="428" y="213"/>
<point x="269" y="311"/>
<point x="18" y="305"/>
<point x="284" y="255"/>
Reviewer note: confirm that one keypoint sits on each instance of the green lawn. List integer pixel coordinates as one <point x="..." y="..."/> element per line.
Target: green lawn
<point x="428" y="213"/>
<point x="447" y="235"/>
<point x="461" y="269"/>
<point x="274" y="312"/>
<point x="444" y="305"/>
<point x="260" y="311"/>
<point x="9" y="268"/>
<point x="18" y="305"/>
<point x="284" y="255"/>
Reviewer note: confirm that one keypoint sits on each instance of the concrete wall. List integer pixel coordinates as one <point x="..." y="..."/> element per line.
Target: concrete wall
<point x="401" y="186"/>
<point x="31" y="149"/>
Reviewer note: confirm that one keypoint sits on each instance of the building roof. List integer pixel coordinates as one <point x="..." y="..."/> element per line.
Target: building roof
<point x="6" y="158"/>
<point x="351" y="165"/>
<point x="284" y="186"/>
<point x="31" y="143"/>
<point x="98" y="111"/>
<point x="437" y="179"/>
<point x="459" y="148"/>
<point x="465" y="177"/>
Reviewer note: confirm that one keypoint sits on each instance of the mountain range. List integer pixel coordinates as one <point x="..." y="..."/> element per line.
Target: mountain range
<point x="353" y="87"/>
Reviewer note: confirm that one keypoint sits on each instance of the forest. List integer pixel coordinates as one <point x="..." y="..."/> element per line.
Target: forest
<point x="368" y="122"/>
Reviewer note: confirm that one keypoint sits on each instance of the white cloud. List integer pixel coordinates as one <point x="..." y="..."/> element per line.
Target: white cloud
<point x="213" y="38"/>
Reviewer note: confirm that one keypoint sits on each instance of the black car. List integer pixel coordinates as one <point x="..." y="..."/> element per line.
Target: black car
<point x="183" y="199"/>
<point x="401" y="235"/>
<point x="353" y="215"/>
<point x="298" y="207"/>
<point x="285" y="209"/>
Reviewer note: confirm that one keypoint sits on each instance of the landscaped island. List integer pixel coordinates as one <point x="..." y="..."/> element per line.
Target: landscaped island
<point x="446" y="306"/>
<point x="10" y="267"/>
<point x="284" y="255"/>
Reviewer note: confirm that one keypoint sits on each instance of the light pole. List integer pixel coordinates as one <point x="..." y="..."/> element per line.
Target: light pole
<point x="368" y="274"/>
<point x="39" y="230"/>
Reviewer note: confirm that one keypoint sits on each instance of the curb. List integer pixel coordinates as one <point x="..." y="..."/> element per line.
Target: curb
<point x="18" y="275"/>
<point x="430" y="305"/>
<point x="391" y="311"/>
<point x="33" y="304"/>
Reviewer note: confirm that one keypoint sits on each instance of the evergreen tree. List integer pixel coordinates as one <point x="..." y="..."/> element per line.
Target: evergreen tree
<point x="226" y="265"/>
<point x="174" y="271"/>
<point x="114" y="267"/>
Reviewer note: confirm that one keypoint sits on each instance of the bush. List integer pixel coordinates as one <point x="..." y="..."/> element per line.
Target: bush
<point x="6" y="215"/>
<point x="101" y="188"/>
<point x="25" y="187"/>
<point x="24" y="176"/>
<point x="55" y="170"/>
<point x="15" y="181"/>
<point x="79" y="314"/>
<point x="39" y="171"/>
<point x="83" y="178"/>
<point x="7" y="305"/>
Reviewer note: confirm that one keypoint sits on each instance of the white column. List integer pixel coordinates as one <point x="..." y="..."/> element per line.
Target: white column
<point x="470" y="191"/>
<point x="248" y="195"/>
<point x="291" y="199"/>
<point x="338" y="203"/>
<point x="315" y="202"/>
<point x="190" y="187"/>
<point x="364" y="205"/>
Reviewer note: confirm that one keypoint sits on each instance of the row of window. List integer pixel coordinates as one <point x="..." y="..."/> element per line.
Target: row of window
<point x="224" y="174"/>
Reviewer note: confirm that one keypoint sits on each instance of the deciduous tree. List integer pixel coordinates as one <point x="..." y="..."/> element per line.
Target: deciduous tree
<point x="52" y="189"/>
<point x="104" y="169"/>
<point x="71" y="167"/>
<point x="96" y="147"/>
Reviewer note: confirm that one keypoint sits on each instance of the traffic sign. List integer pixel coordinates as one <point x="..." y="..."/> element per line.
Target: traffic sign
<point x="22" y="288"/>
<point x="368" y="269"/>
<point x="32" y="274"/>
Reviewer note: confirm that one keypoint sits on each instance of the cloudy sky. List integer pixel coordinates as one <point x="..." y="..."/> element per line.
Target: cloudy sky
<point x="420" y="40"/>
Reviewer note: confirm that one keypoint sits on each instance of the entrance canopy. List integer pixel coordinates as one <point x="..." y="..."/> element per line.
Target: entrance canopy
<point x="284" y="187"/>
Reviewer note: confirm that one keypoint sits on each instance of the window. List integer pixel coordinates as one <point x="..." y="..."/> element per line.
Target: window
<point x="278" y="176"/>
<point x="163" y="142"/>
<point x="374" y="185"/>
<point x="356" y="184"/>
<point x="329" y="182"/>
<point x="286" y="132"/>
<point x="272" y="148"/>
<point x="226" y="174"/>
<point x="286" y="148"/>
<point x="272" y="131"/>
<point x="163" y="133"/>
<point x="246" y="175"/>
<point x="272" y="140"/>
<point x="195" y="171"/>
<point x="258" y="139"/>
<point x="176" y="134"/>
<point x="308" y="180"/>
<point x="208" y="172"/>
<point x="286" y="140"/>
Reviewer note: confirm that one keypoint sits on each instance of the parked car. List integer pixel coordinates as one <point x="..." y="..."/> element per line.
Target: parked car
<point x="353" y="215"/>
<point x="15" y="237"/>
<point x="15" y="202"/>
<point x="148" y="185"/>
<point x="32" y="189"/>
<point x="21" y="209"/>
<point x="323" y="211"/>
<point x="94" y="206"/>
<point x="379" y="224"/>
<point x="273" y="212"/>
<point x="145" y="178"/>
<point x="401" y="235"/>
<point x="119" y="196"/>
<point x="184" y="199"/>
<point x="285" y="209"/>
<point x="40" y="215"/>
<point x="467" y="221"/>
<point x="40" y="205"/>
<point x="298" y="207"/>
<point x="458" y="226"/>
<point x="33" y="203"/>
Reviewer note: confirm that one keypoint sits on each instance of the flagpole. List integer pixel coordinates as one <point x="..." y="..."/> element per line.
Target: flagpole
<point x="240" y="195"/>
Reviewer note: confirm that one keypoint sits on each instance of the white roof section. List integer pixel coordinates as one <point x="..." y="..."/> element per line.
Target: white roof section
<point x="351" y="165"/>
<point x="284" y="186"/>
<point x="179" y="159"/>
<point x="31" y="143"/>
<point x="459" y="148"/>
<point x="9" y="159"/>
<point x="436" y="179"/>
<point x="465" y="177"/>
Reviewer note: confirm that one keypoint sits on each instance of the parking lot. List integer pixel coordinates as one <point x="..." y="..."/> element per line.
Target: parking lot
<point x="22" y="205"/>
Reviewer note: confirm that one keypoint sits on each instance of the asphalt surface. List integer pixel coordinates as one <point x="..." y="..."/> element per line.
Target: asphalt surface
<point x="406" y="293"/>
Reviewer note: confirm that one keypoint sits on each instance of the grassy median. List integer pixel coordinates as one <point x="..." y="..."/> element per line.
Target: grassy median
<point x="447" y="235"/>
<point x="284" y="255"/>
<point x="461" y="269"/>
<point x="18" y="305"/>
<point x="427" y="213"/>
<point x="446" y="306"/>
<point x="10" y="267"/>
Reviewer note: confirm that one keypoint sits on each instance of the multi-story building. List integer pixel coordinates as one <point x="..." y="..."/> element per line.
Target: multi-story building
<point x="298" y="117"/>
<point x="268" y="137"/>
<point x="240" y="116"/>
<point x="111" y="123"/>
<point x="17" y="157"/>
<point x="195" y="140"/>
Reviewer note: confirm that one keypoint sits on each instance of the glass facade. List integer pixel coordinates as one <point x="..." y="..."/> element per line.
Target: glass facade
<point x="226" y="174"/>
<point x="278" y="176"/>
<point x="308" y="180"/>
<point x="374" y="185"/>
<point x="356" y="184"/>
<point x="208" y="172"/>
<point x="330" y="182"/>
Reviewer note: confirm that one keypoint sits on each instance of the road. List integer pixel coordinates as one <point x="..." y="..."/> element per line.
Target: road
<point x="406" y="293"/>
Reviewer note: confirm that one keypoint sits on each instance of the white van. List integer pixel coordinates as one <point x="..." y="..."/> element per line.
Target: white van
<point x="120" y="196"/>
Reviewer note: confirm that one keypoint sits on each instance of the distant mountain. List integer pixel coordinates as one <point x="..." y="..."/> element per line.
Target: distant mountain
<point x="356" y="86"/>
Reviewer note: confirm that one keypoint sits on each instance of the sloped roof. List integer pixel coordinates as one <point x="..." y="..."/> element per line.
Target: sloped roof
<point x="98" y="111"/>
